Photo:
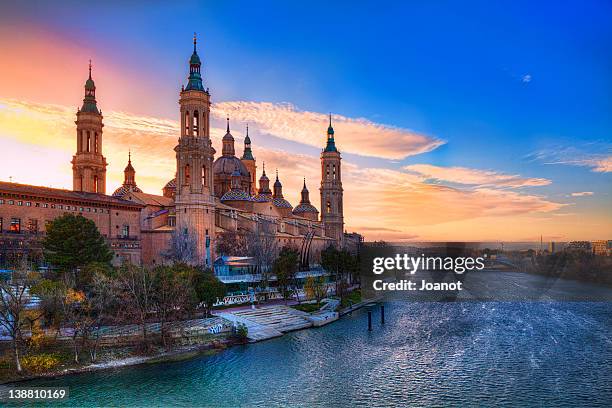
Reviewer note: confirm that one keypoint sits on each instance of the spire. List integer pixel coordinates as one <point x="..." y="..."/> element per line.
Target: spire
<point x="264" y="182"/>
<point x="305" y="194"/>
<point x="278" y="187"/>
<point x="331" y="144"/>
<point x="129" y="172"/>
<point x="89" y="102"/>
<point x="228" y="142"/>
<point x="248" y="153"/>
<point x="195" y="77"/>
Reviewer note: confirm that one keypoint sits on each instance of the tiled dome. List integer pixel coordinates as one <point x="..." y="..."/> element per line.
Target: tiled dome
<point x="262" y="198"/>
<point x="236" y="195"/>
<point x="305" y="208"/>
<point x="121" y="191"/>
<point x="281" y="203"/>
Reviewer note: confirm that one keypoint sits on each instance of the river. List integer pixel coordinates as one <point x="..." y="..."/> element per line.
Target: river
<point x="470" y="353"/>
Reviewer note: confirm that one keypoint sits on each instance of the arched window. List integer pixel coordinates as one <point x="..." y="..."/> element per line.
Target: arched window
<point x="187" y="123"/>
<point x="196" y="123"/>
<point x="328" y="207"/>
<point x="334" y="171"/>
<point x="187" y="175"/>
<point x="95" y="184"/>
<point x="96" y="142"/>
<point x="204" y="181"/>
<point x="327" y="167"/>
<point x="88" y="142"/>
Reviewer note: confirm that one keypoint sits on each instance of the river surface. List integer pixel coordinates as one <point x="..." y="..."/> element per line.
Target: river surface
<point x="470" y="353"/>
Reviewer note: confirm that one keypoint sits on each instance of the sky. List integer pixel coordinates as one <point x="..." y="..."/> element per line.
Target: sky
<point x="464" y="121"/>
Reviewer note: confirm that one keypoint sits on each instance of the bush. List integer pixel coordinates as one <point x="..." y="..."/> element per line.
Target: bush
<point x="241" y="331"/>
<point x="40" y="363"/>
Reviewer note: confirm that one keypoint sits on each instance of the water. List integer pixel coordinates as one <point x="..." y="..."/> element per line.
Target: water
<point x="427" y="353"/>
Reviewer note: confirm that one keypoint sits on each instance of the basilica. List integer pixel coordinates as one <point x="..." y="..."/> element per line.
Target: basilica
<point x="211" y="194"/>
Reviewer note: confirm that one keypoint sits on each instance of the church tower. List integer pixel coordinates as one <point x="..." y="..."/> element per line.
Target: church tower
<point x="88" y="164"/>
<point x="331" y="190"/>
<point x="249" y="162"/>
<point x="195" y="204"/>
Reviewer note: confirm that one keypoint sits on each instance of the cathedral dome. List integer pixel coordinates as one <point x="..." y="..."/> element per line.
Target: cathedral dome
<point x="225" y="165"/>
<point x="281" y="203"/>
<point x="263" y="198"/>
<point x="171" y="184"/>
<point x="236" y="195"/>
<point x="305" y="208"/>
<point x="123" y="190"/>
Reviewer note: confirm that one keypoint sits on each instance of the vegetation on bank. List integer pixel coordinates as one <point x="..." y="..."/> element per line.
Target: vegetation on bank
<point x="577" y="265"/>
<point x="83" y="296"/>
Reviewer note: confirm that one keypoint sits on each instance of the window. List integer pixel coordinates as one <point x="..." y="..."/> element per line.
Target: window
<point x="328" y="207"/>
<point x="11" y="202"/>
<point x="32" y="225"/>
<point x="52" y="205"/>
<point x="45" y="205"/>
<point x="88" y="209"/>
<point x="125" y="231"/>
<point x="1" y="201"/>
<point x="15" y="225"/>
<point x="187" y="174"/>
<point x="28" y="204"/>
<point x="196" y="123"/>
<point x="88" y="142"/>
<point x="61" y="207"/>
<point x="96" y="142"/>
<point x="19" y="202"/>
<point x="95" y="184"/>
<point x="204" y="183"/>
<point x="187" y="123"/>
<point x="334" y="171"/>
<point x="37" y="205"/>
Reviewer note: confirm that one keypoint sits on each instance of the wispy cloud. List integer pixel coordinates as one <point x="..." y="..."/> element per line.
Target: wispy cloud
<point x="464" y="175"/>
<point x="526" y="78"/>
<point x="582" y="194"/>
<point x="354" y="135"/>
<point x="596" y="156"/>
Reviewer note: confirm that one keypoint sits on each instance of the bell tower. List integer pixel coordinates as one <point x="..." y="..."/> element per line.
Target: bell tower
<point x="88" y="164"/>
<point x="331" y="190"/>
<point x="195" y="204"/>
<point x="249" y="162"/>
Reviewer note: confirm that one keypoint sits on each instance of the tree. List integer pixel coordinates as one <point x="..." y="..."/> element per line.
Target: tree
<point x="285" y="268"/>
<point x="315" y="288"/>
<point x="15" y="296"/>
<point x="183" y="248"/>
<point x="342" y="265"/>
<point x="232" y="243"/>
<point x="136" y="294"/>
<point x="73" y="241"/>
<point x="170" y="295"/>
<point x="263" y="247"/>
<point x="208" y="289"/>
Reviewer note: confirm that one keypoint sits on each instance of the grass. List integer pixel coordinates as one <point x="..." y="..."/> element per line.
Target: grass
<point x="351" y="299"/>
<point x="308" y="307"/>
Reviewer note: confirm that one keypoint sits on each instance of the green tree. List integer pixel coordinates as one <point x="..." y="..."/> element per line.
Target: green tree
<point x="171" y="293"/>
<point x="208" y="289"/>
<point x="73" y="241"/>
<point x="342" y="265"/>
<point x="285" y="268"/>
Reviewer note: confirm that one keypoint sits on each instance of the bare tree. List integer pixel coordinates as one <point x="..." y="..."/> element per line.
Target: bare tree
<point x="171" y="294"/>
<point x="183" y="248"/>
<point x="136" y="285"/>
<point x="15" y="297"/>
<point x="263" y="247"/>
<point x="101" y="300"/>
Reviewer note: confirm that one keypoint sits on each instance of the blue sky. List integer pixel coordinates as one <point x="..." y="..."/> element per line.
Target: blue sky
<point x="500" y="82"/>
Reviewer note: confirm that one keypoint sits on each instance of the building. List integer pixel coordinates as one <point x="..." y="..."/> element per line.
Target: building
<point x="207" y="197"/>
<point x="602" y="247"/>
<point x="584" y="246"/>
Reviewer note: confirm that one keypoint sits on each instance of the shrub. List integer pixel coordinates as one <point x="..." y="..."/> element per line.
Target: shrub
<point x="241" y="331"/>
<point x="40" y="363"/>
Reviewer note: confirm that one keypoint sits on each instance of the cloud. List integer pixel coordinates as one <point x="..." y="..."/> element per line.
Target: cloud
<point x="354" y="135"/>
<point x="582" y="194"/>
<point x="464" y="175"/>
<point x="596" y="156"/>
<point x="382" y="203"/>
<point x="526" y="78"/>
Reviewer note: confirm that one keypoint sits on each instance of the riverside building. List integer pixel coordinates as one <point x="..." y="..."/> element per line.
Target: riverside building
<point x="210" y="193"/>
